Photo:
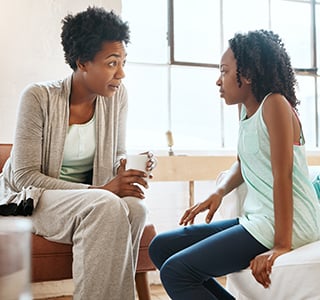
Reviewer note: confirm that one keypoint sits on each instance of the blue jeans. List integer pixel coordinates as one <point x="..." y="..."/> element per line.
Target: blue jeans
<point x="190" y="257"/>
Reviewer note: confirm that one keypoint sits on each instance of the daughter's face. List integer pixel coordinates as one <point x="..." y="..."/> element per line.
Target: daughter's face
<point x="227" y="81"/>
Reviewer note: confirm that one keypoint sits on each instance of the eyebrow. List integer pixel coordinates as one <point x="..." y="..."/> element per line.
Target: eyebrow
<point x="222" y="66"/>
<point x="116" y="55"/>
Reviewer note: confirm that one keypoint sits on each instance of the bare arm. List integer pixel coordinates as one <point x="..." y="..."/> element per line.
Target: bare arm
<point x="277" y="115"/>
<point x="226" y="182"/>
<point x="229" y="180"/>
<point x="278" y="118"/>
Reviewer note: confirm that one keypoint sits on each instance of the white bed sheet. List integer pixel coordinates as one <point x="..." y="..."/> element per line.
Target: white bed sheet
<point x="295" y="276"/>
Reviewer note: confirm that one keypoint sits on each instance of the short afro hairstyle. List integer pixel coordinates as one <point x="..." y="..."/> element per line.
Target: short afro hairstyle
<point x="262" y="58"/>
<point x="83" y="34"/>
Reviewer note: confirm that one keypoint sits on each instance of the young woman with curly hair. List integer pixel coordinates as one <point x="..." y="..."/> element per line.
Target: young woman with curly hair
<point x="281" y="209"/>
<point x="68" y="158"/>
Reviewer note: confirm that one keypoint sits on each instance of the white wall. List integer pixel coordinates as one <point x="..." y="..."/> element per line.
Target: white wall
<point x="31" y="50"/>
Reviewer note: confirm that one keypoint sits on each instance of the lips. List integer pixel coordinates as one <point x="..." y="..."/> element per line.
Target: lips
<point x="114" y="87"/>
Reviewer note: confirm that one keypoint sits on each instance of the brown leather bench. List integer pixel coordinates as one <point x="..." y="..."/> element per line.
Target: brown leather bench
<point x="53" y="261"/>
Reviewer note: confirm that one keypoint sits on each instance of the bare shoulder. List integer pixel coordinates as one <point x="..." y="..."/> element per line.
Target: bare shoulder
<point x="276" y="105"/>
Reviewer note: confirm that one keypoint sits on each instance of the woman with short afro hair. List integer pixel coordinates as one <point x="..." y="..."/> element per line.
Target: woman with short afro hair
<point x="83" y="36"/>
<point x="68" y="158"/>
<point x="281" y="210"/>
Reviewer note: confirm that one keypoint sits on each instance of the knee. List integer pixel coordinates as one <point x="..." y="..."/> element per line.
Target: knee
<point x="137" y="208"/>
<point x="156" y="251"/>
<point x="153" y="247"/>
<point x="101" y="196"/>
<point x="171" y="270"/>
<point x="107" y="203"/>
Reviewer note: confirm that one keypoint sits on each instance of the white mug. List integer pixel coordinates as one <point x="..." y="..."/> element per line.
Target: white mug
<point x="137" y="162"/>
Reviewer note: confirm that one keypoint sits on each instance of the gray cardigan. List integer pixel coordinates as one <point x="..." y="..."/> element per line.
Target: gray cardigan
<point x="42" y="124"/>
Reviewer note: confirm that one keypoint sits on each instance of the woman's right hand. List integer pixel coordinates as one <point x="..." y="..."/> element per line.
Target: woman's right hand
<point x="212" y="204"/>
<point x="225" y="183"/>
<point x="127" y="183"/>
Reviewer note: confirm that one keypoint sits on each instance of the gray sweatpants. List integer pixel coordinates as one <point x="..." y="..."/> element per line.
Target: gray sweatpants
<point x="105" y="231"/>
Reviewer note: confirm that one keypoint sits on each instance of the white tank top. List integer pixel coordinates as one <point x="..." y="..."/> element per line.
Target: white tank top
<point x="79" y="150"/>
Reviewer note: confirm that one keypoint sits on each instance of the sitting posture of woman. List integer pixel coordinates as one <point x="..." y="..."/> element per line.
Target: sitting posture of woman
<point x="68" y="157"/>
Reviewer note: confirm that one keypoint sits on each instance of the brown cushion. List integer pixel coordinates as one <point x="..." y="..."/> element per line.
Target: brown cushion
<point x="50" y="260"/>
<point x="53" y="261"/>
<point x="4" y="153"/>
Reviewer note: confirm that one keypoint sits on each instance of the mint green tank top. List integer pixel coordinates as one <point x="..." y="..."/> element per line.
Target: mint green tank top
<point x="258" y="216"/>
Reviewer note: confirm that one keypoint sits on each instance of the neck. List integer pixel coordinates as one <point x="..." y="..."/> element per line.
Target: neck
<point x="80" y="95"/>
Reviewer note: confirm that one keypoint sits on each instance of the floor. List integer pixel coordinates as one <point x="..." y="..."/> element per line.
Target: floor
<point x="157" y="292"/>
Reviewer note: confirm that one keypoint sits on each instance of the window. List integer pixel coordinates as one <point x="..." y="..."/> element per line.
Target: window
<point x="173" y="65"/>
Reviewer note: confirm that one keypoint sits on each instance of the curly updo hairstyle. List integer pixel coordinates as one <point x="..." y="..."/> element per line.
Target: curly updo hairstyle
<point x="262" y="58"/>
<point x="84" y="34"/>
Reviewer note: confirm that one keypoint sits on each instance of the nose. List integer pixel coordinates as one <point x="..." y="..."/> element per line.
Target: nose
<point x="120" y="73"/>
<point x="218" y="82"/>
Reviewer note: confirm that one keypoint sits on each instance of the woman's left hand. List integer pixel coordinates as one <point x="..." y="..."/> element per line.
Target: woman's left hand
<point x="261" y="265"/>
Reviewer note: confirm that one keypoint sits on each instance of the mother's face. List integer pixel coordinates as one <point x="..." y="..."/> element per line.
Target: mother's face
<point x="104" y="73"/>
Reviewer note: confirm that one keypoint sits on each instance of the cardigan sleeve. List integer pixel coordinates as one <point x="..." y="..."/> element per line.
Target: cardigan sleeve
<point x="122" y="128"/>
<point x="24" y="167"/>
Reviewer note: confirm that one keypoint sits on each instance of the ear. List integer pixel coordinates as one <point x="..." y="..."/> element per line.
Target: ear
<point x="81" y="66"/>
<point x="247" y="80"/>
